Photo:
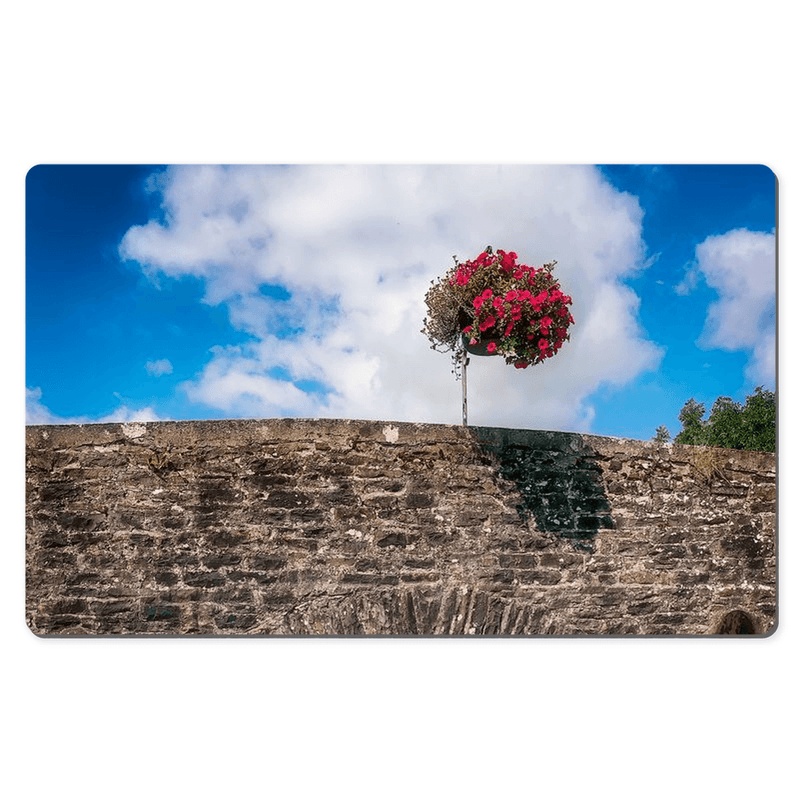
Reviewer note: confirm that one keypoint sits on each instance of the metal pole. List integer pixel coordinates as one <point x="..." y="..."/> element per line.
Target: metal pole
<point x="464" y="362"/>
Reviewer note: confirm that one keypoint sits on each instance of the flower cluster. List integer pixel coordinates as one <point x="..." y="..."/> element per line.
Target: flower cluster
<point x="518" y="311"/>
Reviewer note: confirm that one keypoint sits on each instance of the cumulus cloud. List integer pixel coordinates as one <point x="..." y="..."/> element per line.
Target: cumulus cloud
<point x="356" y="248"/>
<point x="161" y="366"/>
<point x="36" y="413"/>
<point x="740" y="266"/>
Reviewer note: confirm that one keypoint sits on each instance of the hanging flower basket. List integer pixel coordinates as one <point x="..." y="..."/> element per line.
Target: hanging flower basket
<point x="493" y="305"/>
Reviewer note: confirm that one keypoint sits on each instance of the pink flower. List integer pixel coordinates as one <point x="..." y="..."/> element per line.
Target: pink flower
<point x="491" y="347"/>
<point x="507" y="260"/>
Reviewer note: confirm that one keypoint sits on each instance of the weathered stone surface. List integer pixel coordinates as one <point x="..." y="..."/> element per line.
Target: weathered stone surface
<point x="305" y="527"/>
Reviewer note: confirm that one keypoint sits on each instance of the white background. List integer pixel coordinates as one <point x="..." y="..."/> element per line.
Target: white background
<point x="357" y="82"/>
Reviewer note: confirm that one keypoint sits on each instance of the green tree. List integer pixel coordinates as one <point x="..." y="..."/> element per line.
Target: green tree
<point x="740" y="427"/>
<point x="662" y="435"/>
<point x="694" y="428"/>
<point x="758" y="421"/>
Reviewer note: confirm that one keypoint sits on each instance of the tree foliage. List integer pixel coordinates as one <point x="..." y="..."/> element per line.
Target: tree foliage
<point x="740" y="427"/>
<point x="662" y="435"/>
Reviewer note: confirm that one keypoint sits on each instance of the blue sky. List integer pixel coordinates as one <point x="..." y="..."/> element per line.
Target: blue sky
<point x="158" y="292"/>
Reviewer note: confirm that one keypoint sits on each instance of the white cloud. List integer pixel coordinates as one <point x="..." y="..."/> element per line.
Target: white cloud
<point x="161" y="366"/>
<point x="740" y="266"/>
<point x="236" y="382"/>
<point x="690" y="279"/>
<point x="36" y="413"/>
<point x="357" y="247"/>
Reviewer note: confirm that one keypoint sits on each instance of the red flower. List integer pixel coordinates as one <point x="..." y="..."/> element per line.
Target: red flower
<point x="491" y="347"/>
<point x="487" y="323"/>
<point x="507" y="260"/>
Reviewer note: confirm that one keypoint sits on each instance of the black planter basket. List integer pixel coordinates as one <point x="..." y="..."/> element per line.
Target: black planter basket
<point x="480" y="347"/>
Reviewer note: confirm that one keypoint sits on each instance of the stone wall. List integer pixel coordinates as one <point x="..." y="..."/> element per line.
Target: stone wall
<point x="349" y="527"/>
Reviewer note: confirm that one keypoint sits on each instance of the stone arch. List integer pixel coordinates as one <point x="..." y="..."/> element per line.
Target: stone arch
<point x="737" y="623"/>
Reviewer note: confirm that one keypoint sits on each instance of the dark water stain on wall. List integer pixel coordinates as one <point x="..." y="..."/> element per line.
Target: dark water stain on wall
<point x="558" y="477"/>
